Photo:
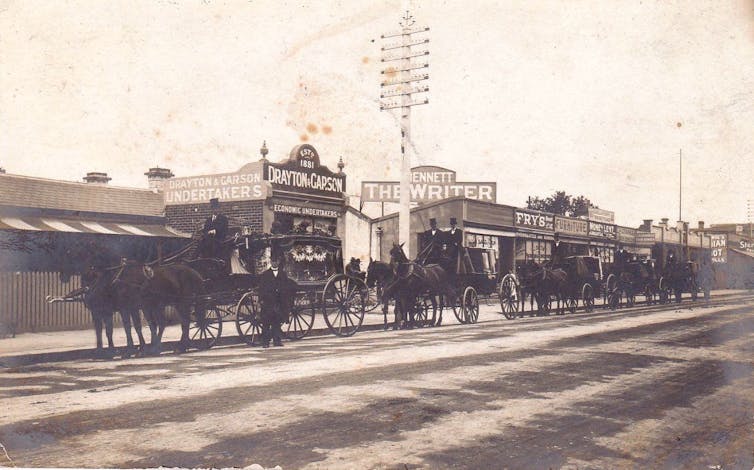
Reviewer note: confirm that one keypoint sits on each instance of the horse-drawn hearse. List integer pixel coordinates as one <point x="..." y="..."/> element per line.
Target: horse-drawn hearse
<point x="206" y="293"/>
<point x="576" y="279"/>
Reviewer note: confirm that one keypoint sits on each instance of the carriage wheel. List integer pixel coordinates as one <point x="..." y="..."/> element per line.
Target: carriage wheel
<point x="206" y="329"/>
<point x="455" y="304"/>
<point x="614" y="298"/>
<point x="424" y="305"/>
<point x="373" y="299"/>
<point x="587" y="297"/>
<point x="470" y="305"/>
<point x="543" y="304"/>
<point x="610" y="284"/>
<point x="343" y="304"/>
<point x="509" y="294"/>
<point x="570" y="304"/>
<point x="302" y="316"/>
<point x="248" y="323"/>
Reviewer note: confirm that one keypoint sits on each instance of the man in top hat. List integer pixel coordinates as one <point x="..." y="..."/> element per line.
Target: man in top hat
<point x="276" y="291"/>
<point x="432" y="243"/>
<point x="453" y="240"/>
<point x="215" y="232"/>
<point x="558" y="251"/>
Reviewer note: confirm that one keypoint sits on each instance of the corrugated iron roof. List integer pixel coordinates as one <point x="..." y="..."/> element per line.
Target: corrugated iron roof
<point x="26" y="191"/>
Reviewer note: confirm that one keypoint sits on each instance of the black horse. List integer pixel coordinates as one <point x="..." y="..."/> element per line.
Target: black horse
<point x="413" y="281"/>
<point x="160" y="286"/>
<point x="97" y="268"/>
<point x="544" y="283"/>
<point x="379" y="276"/>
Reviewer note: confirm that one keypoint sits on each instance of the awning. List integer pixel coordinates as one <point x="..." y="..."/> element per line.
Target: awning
<point x="487" y="231"/>
<point x="47" y="224"/>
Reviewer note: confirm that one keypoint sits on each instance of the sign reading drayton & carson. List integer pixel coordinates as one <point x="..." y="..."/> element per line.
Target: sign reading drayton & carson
<point x="244" y="185"/>
<point x="428" y="183"/>
<point x="303" y="173"/>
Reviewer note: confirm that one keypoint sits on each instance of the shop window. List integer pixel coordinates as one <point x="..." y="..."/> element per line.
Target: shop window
<point x="288" y="223"/>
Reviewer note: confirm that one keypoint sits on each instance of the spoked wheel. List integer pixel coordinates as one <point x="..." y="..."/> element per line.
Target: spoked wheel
<point x="455" y="304"/>
<point x="587" y="297"/>
<point x="302" y="316"/>
<point x="343" y="304"/>
<point x="544" y="304"/>
<point x="372" y="300"/>
<point x="614" y="298"/>
<point x="248" y="323"/>
<point x="470" y="305"/>
<point x="570" y="304"/>
<point x="206" y="329"/>
<point x="509" y="294"/>
<point x="610" y="284"/>
<point x="425" y="310"/>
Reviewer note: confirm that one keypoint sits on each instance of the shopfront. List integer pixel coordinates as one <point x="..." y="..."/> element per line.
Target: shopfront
<point x="602" y="241"/>
<point x="573" y="233"/>
<point x="534" y="236"/>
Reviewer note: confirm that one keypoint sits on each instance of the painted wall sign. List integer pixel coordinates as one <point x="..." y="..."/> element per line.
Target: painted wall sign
<point x="428" y="183"/>
<point x="645" y="238"/>
<point x="602" y="230"/>
<point x="534" y="220"/>
<point x="719" y="244"/>
<point x="601" y="215"/>
<point x="741" y="245"/>
<point x="626" y="235"/>
<point x="309" y="211"/>
<point x="570" y="226"/>
<point x="303" y="173"/>
<point x="244" y="185"/>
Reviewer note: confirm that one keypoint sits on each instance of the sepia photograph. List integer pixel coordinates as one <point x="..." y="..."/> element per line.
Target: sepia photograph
<point x="392" y="234"/>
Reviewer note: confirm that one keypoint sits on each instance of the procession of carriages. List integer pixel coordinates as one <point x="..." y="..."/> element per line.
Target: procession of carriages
<point x="418" y="290"/>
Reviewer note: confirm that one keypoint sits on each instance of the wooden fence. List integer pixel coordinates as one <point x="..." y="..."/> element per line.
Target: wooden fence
<point x="23" y="307"/>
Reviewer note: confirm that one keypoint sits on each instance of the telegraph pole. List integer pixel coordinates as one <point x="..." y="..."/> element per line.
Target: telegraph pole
<point x="680" y="182"/>
<point x="401" y="83"/>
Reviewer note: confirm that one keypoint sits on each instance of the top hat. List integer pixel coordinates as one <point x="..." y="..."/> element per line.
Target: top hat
<point x="453" y="221"/>
<point x="214" y="202"/>
<point x="432" y="221"/>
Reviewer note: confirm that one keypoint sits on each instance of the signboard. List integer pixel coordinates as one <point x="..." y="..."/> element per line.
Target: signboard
<point x="741" y="245"/>
<point x="602" y="230"/>
<point x="534" y="220"/>
<point x="719" y="245"/>
<point x="645" y="238"/>
<point x="570" y="226"/>
<point x="428" y="183"/>
<point x="303" y="173"/>
<point x="626" y="235"/>
<point x="308" y="211"/>
<point x="601" y="215"/>
<point x="244" y="185"/>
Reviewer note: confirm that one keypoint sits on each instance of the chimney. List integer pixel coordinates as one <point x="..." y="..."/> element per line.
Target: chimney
<point x="156" y="177"/>
<point x="646" y="226"/>
<point x="680" y="226"/>
<point x="700" y="225"/>
<point x="95" y="177"/>
<point x="664" y="222"/>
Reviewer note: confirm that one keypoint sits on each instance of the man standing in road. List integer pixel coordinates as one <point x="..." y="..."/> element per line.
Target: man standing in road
<point x="276" y="291"/>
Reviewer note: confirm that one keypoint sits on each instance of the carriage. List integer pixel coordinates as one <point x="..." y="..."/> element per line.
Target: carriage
<point x="678" y="278"/>
<point x="314" y="262"/>
<point x="638" y="277"/>
<point x="583" y="282"/>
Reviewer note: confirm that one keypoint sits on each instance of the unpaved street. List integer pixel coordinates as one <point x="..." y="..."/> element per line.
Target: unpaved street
<point x="669" y="388"/>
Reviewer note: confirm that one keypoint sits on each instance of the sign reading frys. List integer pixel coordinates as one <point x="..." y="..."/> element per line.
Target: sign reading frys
<point x="601" y="230"/>
<point x="302" y="210"/>
<point x="600" y="215"/>
<point x="570" y="226"/>
<point x="244" y="185"/>
<point x="428" y="183"/>
<point x="302" y="172"/>
<point x="719" y="244"/>
<point x="534" y="220"/>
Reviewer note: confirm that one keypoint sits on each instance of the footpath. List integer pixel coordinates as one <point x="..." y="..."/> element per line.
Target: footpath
<point x="56" y="346"/>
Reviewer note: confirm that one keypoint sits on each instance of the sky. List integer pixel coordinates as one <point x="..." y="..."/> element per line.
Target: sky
<point x="592" y="97"/>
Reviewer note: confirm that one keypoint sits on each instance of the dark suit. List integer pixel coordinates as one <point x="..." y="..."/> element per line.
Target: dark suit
<point x="276" y="298"/>
<point x="211" y="244"/>
<point x="432" y="242"/>
<point x="454" y="244"/>
<point x="559" y="253"/>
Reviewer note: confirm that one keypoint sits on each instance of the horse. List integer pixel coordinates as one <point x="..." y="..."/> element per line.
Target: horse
<point x="380" y="275"/>
<point x="97" y="267"/>
<point x="413" y="280"/>
<point x="160" y="286"/>
<point x="545" y="283"/>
